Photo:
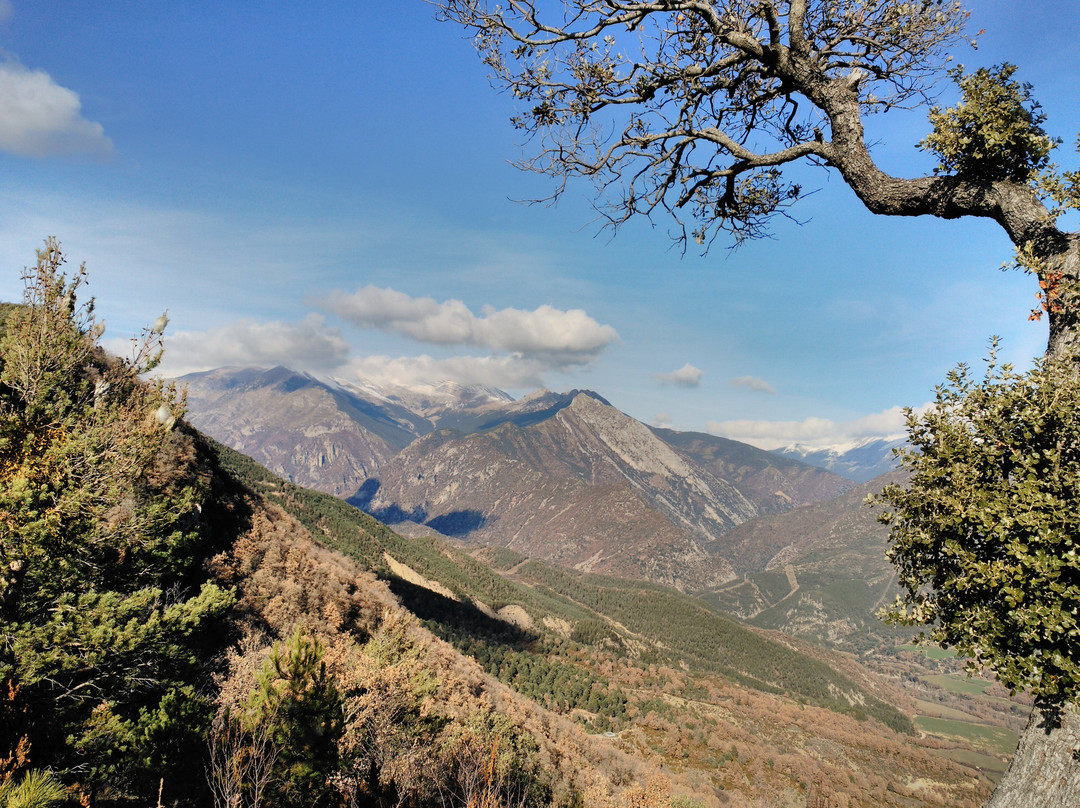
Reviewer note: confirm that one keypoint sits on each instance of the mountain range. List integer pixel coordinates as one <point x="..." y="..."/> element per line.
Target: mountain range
<point x="860" y="461"/>
<point x="562" y="477"/>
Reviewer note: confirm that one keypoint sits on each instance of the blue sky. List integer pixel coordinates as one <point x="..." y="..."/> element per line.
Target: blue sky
<point x="327" y="186"/>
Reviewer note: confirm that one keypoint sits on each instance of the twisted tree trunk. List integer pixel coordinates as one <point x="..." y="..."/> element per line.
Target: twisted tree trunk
<point x="1065" y="323"/>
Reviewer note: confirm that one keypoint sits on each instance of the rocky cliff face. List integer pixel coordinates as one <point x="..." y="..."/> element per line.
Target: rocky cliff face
<point x="587" y="487"/>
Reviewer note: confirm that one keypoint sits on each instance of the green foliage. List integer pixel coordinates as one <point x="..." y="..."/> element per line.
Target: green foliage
<point x="298" y="702"/>
<point x="685" y="801"/>
<point x="36" y="789"/>
<point x="99" y="504"/>
<point x="995" y="131"/>
<point x="986" y="534"/>
<point x="542" y="677"/>
<point x="387" y="746"/>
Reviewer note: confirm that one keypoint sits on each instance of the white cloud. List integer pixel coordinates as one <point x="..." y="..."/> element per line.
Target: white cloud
<point x="686" y="376"/>
<point x="661" y="419"/>
<point x="813" y="432"/>
<point x="308" y="345"/>
<point x="39" y="118"/>
<point x="753" y="383"/>
<point x="563" y="337"/>
<point x="507" y="372"/>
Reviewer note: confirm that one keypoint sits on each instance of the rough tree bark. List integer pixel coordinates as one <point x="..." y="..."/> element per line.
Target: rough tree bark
<point x="1044" y="772"/>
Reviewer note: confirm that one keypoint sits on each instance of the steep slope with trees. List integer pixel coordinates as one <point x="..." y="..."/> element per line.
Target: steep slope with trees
<point x="671" y="680"/>
<point x="161" y="620"/>
<point x="110" y="620"/>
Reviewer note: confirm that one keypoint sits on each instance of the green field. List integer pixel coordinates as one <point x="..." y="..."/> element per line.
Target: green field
<point x="936" y="710"/>
<point x="996" y="740"/>
<point x="958" y="683"/>
<point x="992" y="767"/>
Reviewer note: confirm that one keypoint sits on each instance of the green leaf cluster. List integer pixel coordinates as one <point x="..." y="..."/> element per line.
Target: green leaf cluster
<point x="994" y="132"/>
<point x="986" y="535"/>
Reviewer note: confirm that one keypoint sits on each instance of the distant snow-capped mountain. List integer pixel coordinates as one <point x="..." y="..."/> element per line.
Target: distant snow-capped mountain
<point x="860" y="461"/>
<point x="433" y="400"/>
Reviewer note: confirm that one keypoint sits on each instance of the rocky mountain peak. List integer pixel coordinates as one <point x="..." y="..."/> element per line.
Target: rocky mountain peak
<point x="629" y="439"/>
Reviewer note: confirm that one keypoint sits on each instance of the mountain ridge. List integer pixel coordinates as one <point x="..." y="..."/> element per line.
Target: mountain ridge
<point x="860" y="460"/>
<point x="561" y="476"/>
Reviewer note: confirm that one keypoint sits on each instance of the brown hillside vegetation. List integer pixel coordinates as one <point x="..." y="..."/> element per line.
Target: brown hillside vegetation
<point x="399" y="673"/>
<point x="712" y="741"/>
<point x="172" y="609"/>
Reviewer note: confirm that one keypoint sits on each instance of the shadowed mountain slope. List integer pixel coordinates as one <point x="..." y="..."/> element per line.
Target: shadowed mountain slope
<point x="307" y="431"/>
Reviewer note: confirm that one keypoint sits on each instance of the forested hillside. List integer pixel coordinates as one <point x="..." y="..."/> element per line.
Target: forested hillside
<point x="672" y="680"/>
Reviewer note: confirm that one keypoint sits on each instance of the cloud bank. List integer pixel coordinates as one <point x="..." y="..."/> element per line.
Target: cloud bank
<point x="39" y="118"/>
<point x="309" y="344"/>
<point x="662" y="420"/>
<point x="537" y="343"/>
<point x="813" y="432"/>
<point x="511" y="372"/>
<point x="563" y="338"/>
<point x="686" y="376"/>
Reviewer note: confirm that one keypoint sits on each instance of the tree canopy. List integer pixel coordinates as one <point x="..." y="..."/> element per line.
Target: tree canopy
<point x="986" y="534"/>
<point x="107" y="615"/>
<point x="690" y="111"/>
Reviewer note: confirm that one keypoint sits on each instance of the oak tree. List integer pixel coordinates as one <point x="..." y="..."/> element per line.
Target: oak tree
<point x="985" y="537"/>
<point x="691" y="110"/>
